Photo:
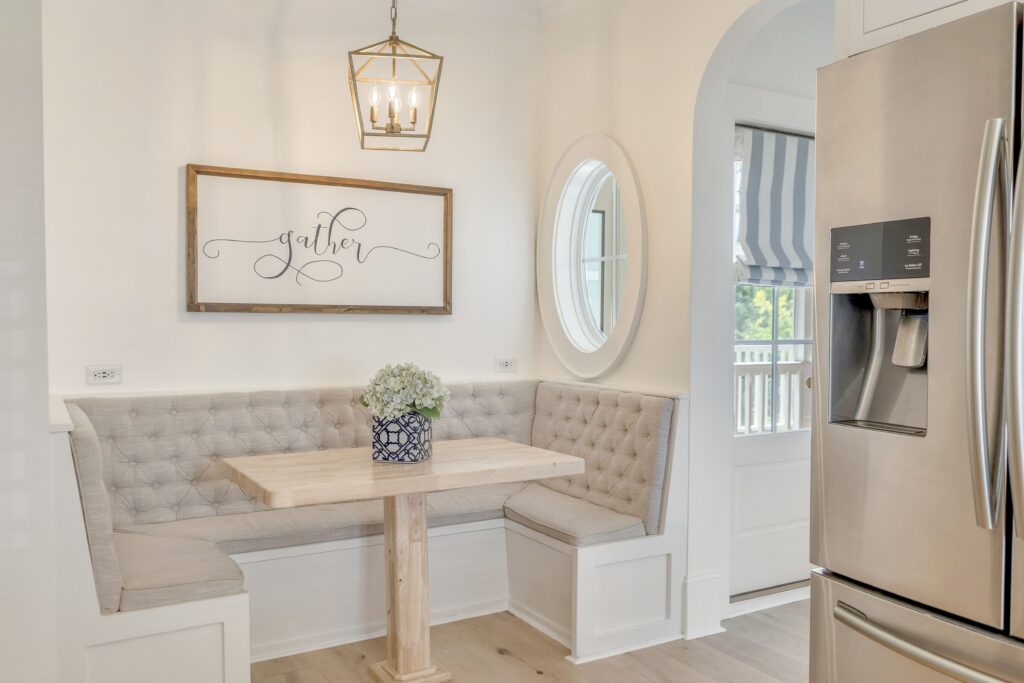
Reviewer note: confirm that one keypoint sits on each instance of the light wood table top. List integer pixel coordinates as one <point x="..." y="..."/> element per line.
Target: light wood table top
<point x="347" y="474"/>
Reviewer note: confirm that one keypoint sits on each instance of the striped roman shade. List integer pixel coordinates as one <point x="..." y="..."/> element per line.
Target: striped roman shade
<point x="776" y="198"/>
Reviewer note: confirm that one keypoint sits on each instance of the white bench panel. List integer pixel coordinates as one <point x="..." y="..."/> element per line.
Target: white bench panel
<point x="326" y="594"/>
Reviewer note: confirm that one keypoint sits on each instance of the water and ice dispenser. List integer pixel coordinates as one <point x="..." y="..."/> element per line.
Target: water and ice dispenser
<point x="879" y="326"/>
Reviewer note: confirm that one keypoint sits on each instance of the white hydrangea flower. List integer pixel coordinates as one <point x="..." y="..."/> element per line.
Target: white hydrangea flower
<point x="404" y="388"/>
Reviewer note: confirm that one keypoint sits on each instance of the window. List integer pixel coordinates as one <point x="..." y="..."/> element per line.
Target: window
<point x="773" y="183"/>
<point x="772" y="358"/>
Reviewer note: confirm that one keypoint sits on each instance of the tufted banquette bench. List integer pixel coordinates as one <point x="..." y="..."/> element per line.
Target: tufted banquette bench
<point x="161" y="518"/>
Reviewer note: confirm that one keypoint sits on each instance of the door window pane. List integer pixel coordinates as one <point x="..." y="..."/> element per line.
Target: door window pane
<point x="795" y="312"/>
<point x="754" y="310"/>
<point x="772" y="359"/>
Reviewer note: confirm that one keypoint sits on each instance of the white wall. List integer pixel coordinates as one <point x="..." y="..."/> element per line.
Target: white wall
<point x="27" y="627"/>
<point x="632" y="70"/>
<point x="782" y="56"/>
<point x="136" y="90"/>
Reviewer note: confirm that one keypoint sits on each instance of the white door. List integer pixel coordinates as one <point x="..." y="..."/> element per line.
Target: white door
<point x="771" y="447"/>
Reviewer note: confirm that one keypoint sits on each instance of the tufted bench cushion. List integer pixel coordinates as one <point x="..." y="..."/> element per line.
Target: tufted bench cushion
<point x="624" y="438"/>
<point x="160" y="514"/>
<point x="319" y="523"/>
<point x="569" y="519"/>
<point x="164" y="571"/>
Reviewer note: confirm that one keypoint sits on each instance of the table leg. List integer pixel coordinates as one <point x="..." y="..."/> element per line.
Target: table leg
<point x="405" y="561"/>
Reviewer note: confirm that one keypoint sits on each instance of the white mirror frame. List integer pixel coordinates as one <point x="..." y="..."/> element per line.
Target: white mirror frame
<point x="558" y="243"/>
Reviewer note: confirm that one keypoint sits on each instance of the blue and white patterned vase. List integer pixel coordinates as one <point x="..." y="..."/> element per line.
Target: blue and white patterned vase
<point x="405" y="438"/>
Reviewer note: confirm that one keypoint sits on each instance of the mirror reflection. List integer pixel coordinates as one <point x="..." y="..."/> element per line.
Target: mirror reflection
<point x="603" y="255"/>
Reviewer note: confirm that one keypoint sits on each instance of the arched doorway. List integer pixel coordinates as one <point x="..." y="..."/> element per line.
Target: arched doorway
<point x="724" y="499"/>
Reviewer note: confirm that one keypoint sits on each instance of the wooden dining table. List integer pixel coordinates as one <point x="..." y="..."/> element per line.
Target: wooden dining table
<point x="350" y="474"/>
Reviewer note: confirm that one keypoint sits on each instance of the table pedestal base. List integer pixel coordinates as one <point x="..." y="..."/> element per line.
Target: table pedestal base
<point x="380" y="672"/>
<point x="408" y="587"/>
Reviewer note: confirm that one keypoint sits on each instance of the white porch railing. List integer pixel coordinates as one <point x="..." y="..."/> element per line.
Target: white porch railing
<point x="752" y="389"/>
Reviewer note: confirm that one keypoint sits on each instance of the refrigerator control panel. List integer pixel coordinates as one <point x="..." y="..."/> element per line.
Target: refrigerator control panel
<point x="882" y="253"/>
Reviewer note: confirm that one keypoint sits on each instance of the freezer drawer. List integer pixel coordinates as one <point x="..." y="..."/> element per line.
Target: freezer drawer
<point x="858" y="635"/>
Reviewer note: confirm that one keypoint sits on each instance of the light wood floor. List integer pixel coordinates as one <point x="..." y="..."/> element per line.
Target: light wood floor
<point x="763" y="647"/>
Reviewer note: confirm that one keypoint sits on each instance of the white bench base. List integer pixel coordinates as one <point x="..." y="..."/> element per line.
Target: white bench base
<point x="325" y="594"/>
<point x="321" y="595"/>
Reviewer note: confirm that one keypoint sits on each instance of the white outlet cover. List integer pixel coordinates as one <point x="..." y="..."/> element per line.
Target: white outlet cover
<point x="505" y="365"/>
<point x="102" y="374"/>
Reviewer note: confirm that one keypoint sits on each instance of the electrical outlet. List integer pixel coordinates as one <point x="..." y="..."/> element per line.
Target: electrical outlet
<point x="505" y="364"/>
<point x="103" y="374"/>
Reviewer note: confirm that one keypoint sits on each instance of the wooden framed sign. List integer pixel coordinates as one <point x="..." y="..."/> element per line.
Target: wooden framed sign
<point x="267" y="242"/>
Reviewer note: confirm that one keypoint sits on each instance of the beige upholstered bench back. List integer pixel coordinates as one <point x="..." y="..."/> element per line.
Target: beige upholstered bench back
<point x="624" y="438"/>
<point x="148" y="460"/>
<point x="160" y="454"/>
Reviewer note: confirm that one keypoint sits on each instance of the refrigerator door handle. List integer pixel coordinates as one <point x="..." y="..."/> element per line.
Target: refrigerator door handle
<point x="983" y="475"/>
<point x="1015" y="352"/>
<point x="856" y="620"/>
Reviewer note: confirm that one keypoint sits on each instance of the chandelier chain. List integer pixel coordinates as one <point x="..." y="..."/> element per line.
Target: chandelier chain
<point x="394" y="17"/>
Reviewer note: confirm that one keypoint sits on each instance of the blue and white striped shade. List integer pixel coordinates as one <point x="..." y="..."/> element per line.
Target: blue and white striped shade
<point x="776" y="229"/>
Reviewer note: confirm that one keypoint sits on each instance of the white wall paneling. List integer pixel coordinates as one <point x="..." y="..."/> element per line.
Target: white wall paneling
<point x="542" y="575"/>
<point x="342" y="596"/>
<point x="27" y="629"/>
<point x="770" y="519"/>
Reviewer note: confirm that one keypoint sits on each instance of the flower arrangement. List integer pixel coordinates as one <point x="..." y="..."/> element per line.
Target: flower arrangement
<point x="405" y="388"/>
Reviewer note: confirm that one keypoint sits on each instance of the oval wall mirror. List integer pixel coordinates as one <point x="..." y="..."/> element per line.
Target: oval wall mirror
<point x="591" y="256"/>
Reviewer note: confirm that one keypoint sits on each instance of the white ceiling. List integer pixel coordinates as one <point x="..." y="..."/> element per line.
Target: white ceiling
<point x="784" y="55"/>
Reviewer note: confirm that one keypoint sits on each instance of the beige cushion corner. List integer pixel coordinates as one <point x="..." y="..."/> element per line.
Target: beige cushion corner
<point x="88" y="460"/>
<point x="163" y="571"/>
<point x="473" y="504"/>
<point x="570" y="519"/>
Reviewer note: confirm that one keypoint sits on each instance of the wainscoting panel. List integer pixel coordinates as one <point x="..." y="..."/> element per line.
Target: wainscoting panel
<point x="327" y="594"/>
<point x="770" y="524"/>
<point x="159" y="657"/>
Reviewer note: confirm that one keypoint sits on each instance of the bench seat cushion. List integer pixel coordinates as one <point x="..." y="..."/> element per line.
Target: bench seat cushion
<point x="570" y="519"/>
<point x="266" y="529"/>
<point x="162" y="571"/>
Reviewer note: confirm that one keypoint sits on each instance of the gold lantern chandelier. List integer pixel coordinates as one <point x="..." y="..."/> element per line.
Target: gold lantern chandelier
<point x="394" y="90"/>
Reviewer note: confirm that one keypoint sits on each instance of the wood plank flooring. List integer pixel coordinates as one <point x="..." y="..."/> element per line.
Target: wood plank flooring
<point x="764" y="647"/>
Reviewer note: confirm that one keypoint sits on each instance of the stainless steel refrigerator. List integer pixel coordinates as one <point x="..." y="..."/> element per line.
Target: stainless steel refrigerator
<point x="919" y="375"/>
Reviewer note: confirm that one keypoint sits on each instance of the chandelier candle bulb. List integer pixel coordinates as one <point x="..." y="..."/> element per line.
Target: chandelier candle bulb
<point x="374" y="99"/>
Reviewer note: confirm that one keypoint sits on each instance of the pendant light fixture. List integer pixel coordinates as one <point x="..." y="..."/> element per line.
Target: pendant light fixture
<point x="394" y="90"/>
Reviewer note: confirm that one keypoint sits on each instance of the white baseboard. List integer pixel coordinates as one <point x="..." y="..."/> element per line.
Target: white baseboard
<point x="321" y="641"/>
<point x="763" y="602"/>
<point x="702" y="608"/>
<point x="624" y="650"/>
<point x="542" y="624"/>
